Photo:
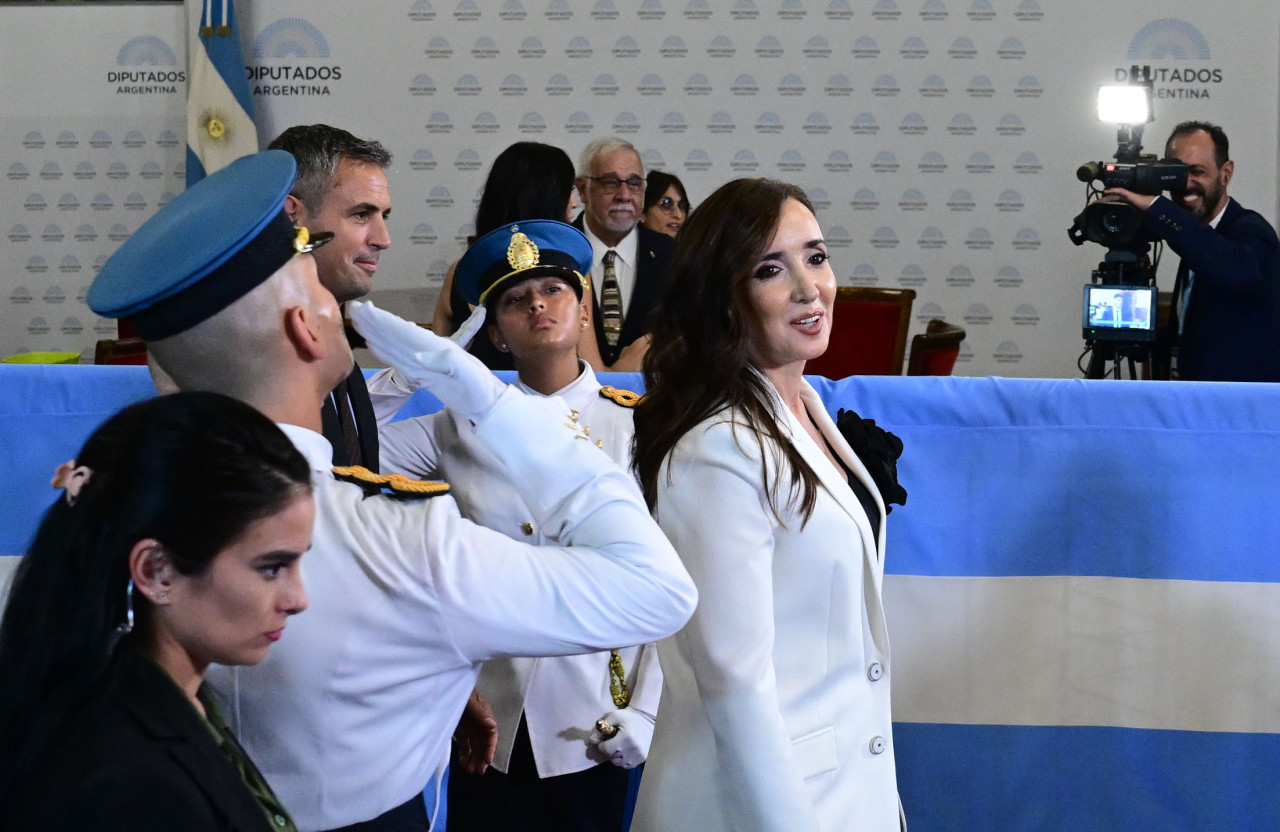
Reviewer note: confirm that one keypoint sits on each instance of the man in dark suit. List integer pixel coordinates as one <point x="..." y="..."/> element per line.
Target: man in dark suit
<point x="1226" y="305"/>
<point x="630" y="260"/>
<point x="342" y="187"/>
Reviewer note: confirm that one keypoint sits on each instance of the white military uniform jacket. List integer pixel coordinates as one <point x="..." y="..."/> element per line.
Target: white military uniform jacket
<point x="775" y="701"/>
<point x="560" y="697"/>
<point x="354" y="709"/>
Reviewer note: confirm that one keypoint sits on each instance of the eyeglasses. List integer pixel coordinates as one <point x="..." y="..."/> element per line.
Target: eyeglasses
<point x="669" y="205"/>
<point x="610" y="183"/>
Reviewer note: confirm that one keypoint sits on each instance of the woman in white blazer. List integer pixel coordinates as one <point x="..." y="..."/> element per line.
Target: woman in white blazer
<point x="775" y="702"/>
<point x="552" y="768"/>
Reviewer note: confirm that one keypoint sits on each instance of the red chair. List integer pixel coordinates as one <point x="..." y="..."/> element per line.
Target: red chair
<point x="868" y="333"/>
<point x="120" y="351"/>
<point x="934" y="351"/>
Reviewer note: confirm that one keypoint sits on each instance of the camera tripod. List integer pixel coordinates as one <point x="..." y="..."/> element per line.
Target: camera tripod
<point x="1104" y="353"/>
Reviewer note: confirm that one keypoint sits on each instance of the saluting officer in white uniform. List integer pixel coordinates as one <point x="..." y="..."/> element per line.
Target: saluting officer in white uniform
<point x="554" y="769"/>
<point x="354" y="713"/>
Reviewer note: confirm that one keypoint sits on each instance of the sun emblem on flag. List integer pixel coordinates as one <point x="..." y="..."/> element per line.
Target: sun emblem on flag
<point x="216" y="126"/>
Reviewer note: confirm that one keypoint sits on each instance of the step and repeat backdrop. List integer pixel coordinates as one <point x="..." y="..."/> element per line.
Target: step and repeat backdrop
<point x="938" y="138"/>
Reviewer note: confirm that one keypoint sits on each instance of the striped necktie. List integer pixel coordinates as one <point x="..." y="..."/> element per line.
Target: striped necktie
<point x="611" y="300"/>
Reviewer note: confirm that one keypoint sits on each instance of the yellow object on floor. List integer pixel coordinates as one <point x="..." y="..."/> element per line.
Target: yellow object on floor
<point x="42" y="358"/>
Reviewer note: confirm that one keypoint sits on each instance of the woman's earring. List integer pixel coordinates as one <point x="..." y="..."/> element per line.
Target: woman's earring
<point x="127" y="627"/>
<point x="124" y="629"/>
<point x="584" y="324"/>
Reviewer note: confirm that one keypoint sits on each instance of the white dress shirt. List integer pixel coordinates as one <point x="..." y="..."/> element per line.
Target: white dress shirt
<point x="388" y="392"/>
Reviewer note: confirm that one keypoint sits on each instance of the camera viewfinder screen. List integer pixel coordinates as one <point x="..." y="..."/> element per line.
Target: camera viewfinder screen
<point x="1120" y="313"/>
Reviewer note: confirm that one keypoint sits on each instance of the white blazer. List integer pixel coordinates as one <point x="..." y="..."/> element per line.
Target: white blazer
<point x="561" y="697"/>
<point x="775" y="701"/>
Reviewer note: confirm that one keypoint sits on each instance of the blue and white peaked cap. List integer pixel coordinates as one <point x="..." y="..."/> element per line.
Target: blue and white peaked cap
<point x="209" y="247"/>
<point x="521" y="250"/>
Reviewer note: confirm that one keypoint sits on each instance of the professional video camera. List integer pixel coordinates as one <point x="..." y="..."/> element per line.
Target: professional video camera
<point x="1119" y="317"/>
<point x="1117" y="225"/>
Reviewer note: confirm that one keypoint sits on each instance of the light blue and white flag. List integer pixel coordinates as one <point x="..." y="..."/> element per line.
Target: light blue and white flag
<point x="219" y="108"/>
<point x="1083" y="600"/>
<point x="1082" y="592"/>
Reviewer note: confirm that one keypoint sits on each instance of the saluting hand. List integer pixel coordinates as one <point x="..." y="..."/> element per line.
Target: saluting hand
<point x="454" y="376"/>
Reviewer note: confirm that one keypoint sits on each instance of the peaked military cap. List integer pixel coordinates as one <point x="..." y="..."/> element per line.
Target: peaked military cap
<point x="209" y="247"/>
<point x="521" y="250"/>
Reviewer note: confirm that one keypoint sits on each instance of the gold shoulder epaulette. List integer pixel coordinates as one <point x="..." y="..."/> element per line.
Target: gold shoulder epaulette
<point x="397" y="484"/>
<point x="623" y="398"/>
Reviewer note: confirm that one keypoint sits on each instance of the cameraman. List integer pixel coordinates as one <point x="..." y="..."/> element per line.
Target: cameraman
<point x="1225" y="316"/>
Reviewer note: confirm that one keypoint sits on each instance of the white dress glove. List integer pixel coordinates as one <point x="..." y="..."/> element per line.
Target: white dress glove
<point x="462" y="338"/>
<point x="628" y="747"/>
<point x="454" y="376"/>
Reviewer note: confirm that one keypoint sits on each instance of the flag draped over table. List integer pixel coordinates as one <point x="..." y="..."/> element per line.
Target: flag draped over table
<point x="219" y="108"/>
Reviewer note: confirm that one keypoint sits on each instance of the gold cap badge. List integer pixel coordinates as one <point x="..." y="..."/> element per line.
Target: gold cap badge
<point x="522" y="253"/>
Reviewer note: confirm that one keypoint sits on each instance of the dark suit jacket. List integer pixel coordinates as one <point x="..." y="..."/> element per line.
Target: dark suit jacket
<point x="1231" y="326"/>
<point x="653" y="256"/>
<point x="140" y="759"/>
<point x="366" y="422"/>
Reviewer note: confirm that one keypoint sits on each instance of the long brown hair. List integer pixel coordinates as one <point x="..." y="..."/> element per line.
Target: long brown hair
<point x="698" y="362"/>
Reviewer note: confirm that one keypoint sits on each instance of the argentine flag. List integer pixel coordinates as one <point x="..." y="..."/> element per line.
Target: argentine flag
<point x="219" y="109"/>
<point x="1083" y="600"/>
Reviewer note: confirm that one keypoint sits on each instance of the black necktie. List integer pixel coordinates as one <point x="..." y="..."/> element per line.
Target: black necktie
<point x="1177" y="312"/>
<point x="350" y="436"/>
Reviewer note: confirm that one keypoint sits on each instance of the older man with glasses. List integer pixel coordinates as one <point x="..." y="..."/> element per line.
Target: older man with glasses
<point x="630" y="260"/>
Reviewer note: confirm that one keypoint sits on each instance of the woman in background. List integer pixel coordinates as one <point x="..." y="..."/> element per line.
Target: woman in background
<point x="554" y="768"/>
<point x="775" y="704"/>
<point x="666" y="205"/>
<point x="174" y="544"/>
<point x="528" y="181"/>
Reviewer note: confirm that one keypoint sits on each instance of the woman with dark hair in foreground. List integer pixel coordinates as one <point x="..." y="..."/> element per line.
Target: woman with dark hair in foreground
<point x="775" y="702"/>
<point x="173" y="543"/>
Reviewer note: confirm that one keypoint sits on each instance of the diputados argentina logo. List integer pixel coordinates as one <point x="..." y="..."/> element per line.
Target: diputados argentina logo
<point x="1176" y="53"/>
<point x="292" y="39"/>
<point x="146" y="65"/>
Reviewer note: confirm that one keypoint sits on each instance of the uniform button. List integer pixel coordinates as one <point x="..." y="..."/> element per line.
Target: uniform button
<point x="874" y="671"/>
<point x="280" y="820"/>
<point x="877" y="745"/>
<point x="527" y="528"/>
